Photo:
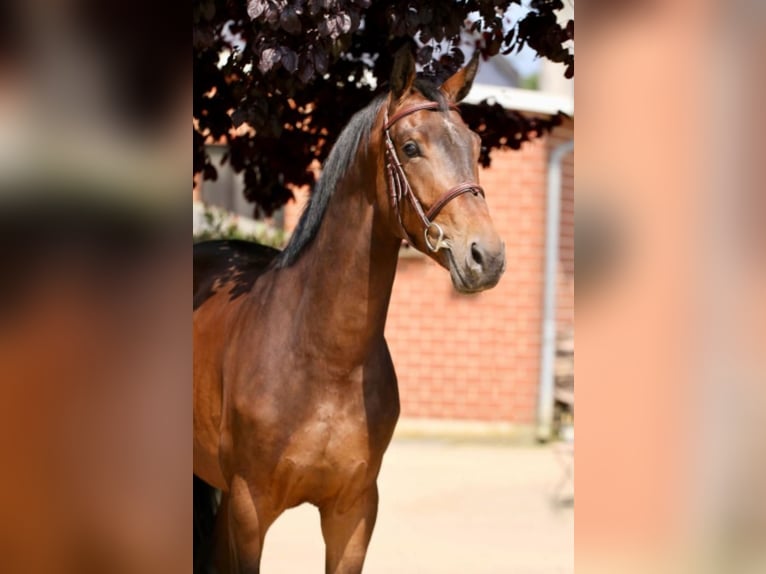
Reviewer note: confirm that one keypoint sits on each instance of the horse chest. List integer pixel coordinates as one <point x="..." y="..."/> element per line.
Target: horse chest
<point x="327" y="457"/>
<point x="333" y="438"/>
<point x="321" y="432"/>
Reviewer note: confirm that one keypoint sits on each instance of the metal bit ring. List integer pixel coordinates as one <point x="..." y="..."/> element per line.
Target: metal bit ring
<point x="439" y="244"/>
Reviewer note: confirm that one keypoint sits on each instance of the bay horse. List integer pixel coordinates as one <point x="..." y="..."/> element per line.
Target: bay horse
<point x="295" y="394"/>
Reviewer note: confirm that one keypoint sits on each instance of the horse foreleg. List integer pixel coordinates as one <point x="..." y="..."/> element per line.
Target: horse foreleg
<point x="247" y="524"/>
<point x="347" y="532"/>
<point x="221" y="556"/>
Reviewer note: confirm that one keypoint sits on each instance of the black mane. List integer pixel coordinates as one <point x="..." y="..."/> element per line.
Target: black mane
<point x="335" y="167"/>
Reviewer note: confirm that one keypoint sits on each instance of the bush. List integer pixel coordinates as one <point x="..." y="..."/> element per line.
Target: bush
<point x="219" y="224"/>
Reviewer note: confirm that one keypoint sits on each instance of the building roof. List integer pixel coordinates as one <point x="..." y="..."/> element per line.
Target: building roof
<point x="522" y="100"/>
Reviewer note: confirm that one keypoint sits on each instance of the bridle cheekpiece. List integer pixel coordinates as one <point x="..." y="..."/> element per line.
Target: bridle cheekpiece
<point x="399" y="186"/>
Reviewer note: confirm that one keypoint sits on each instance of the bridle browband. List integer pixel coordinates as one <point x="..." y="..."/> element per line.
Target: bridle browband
<point x="399" y="186"/>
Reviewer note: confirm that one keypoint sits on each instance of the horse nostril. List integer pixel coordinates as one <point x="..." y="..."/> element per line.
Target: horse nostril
<point x="476" y="254"/>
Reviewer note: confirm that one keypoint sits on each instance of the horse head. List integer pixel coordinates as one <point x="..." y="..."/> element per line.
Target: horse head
<point x="431" y="174"/>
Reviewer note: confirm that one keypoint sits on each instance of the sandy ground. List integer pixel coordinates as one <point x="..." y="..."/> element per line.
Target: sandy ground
<point x="450" y="507"/>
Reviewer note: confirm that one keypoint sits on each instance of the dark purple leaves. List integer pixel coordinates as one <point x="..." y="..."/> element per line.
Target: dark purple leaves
<point x="541" y="31"/>
<point x="320" y="61"/>
<point x="266" y="10"/>
<point x="269" y="57"/>
<point x="296" y="83"/>
<point x="307" y="70"/>
<point x="425" y="54"/>
<point x="289" y="21"/>
<point x="546" y="4"/>
<point x="508" y="39"/>
<point x="256" y="7"/>
<point x="289" y="60"/>
<point x="335" y="25"/>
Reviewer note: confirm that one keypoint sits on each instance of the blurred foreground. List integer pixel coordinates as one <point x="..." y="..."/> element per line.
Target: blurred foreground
<point x="671" y="284"/>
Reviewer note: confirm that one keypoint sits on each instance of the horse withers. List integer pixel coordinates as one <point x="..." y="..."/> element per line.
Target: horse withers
<point x="295" y="394"/>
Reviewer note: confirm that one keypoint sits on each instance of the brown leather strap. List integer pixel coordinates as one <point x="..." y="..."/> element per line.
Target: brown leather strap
<point x="400" y="187"/>
<point x="416" y="108"/>
<point x="397" y="184"/>
<point x="475" y="188"/>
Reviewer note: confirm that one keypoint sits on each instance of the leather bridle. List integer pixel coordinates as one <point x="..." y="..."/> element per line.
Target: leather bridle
<point x="399" y="186"/>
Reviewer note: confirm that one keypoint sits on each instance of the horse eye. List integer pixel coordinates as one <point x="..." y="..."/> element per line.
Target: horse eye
<point x="411" y="149"/>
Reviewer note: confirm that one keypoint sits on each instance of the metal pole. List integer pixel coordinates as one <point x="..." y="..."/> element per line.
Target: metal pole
<point x="548" y="351"/>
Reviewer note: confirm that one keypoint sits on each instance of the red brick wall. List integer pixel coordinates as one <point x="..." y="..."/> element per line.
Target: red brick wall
<point x="477" y="357"/>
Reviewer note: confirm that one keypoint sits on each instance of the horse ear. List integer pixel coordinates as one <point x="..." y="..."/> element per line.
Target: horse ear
<point x="403" y="73"/>
<point x="459" y="84"/>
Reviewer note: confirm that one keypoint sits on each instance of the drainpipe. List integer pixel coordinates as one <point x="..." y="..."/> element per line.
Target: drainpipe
<point x="548" y="351"/>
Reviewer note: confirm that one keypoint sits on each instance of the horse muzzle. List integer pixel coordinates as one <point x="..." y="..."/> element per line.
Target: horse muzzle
<point x="477" y="268"/>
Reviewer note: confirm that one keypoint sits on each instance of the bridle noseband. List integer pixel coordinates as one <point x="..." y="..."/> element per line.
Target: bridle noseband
<point x="399" y="186"/>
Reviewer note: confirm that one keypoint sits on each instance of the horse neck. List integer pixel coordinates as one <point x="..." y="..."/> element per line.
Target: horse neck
<point x="347" y="272"/>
